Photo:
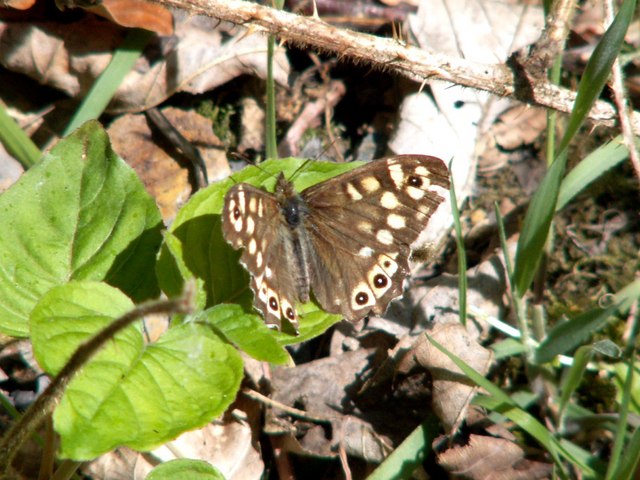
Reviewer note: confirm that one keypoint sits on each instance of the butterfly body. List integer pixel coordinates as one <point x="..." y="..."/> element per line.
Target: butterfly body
<point x="346" y="239"/>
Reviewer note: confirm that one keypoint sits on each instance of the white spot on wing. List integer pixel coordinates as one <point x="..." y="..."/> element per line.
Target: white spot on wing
<point x="370" y="184"/>
<point x="259" y="259"/>
<point x="365" y="226"/>
<point x="268" y="272"/>
<point x="353" y="193"/>
<point x="396" y="221"/>
<point x="388" y="264"/>
<point x="365" y="252"/>
<point x="251" y="225"/>
<point x="385" y="237"/>
<point x="415" y="193"/>
<point x="397" y="175"/>
<point x="422" y="171"/>
<point x="252" y="246"/>
<point x="389" y="201"/>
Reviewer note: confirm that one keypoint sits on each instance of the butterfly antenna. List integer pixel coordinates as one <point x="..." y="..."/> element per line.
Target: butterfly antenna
<point x="249" y="161"/>
<point x="309" y="160"/>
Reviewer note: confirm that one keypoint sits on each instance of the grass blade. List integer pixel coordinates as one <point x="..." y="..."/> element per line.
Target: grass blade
<point x="543" y="204"/>
<point x="107" y="83"/>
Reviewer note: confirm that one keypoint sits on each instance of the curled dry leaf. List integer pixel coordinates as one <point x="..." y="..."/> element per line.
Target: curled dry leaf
<point x="136" y="14"/>
<point x="17" y="4"/>
<point x="452" y="391"/>
<point x="492" y="458"/>
<point x="230" y="445"/>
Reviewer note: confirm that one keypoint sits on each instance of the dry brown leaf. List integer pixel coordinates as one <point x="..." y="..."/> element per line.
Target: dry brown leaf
<point x="17" y="4"/>
<point x="136" y="14"/>
<point x="202" y="55"/>
<point x="328" y="388"/>
<point x="165" y="178"/>
<point x="229" y="445"/>
<point x="452" y="391"/>
<point x="491" y="458"/>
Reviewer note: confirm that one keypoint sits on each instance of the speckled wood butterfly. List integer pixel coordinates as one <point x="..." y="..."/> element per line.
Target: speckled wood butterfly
<point x="347" y="239"/>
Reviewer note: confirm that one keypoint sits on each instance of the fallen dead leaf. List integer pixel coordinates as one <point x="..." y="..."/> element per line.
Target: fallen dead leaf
<point x="202" y="55"/>
<point x="487" y="458"/>
<point x="365" y="426"/>
<point x="163" y="172"/>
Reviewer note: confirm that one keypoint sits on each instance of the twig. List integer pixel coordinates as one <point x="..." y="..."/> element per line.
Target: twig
<point x="415" y="63"/>
<point x="620" y="98"/>
<point x="294" y="412"/>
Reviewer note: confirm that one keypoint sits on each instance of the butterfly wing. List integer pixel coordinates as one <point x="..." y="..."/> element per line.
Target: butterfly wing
<point x="361" y="225"/>
<point x="252" y="220"/>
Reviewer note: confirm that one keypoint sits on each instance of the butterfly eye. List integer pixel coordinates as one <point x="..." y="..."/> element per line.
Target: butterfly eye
<point x="380" y="281"/>
<point x="415" y="181"/>
<point x="362" y="298"/>
<point x="236" y="213"/>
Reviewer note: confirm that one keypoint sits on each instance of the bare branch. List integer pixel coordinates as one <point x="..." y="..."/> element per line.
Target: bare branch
<point x="388" y="54"/>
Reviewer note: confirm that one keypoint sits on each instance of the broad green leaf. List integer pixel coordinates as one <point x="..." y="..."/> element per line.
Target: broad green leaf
<point x="80" y="214"/>
<point x="199" y="251"/>
<point x="570" y="334"/>
<point x="70" y="314"/>
<point x="185" y="469"/>
<point x="247" y="331"/>
<point x="574" y="376"/>
<point x="133" y="394"/>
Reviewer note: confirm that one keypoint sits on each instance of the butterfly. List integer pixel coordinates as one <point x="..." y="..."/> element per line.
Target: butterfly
<point x="347" y="239"/>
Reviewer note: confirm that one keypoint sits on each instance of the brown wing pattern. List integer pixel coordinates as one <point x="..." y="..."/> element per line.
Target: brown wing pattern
<point x="361" y="225"/>
<point x="251" y="219"/>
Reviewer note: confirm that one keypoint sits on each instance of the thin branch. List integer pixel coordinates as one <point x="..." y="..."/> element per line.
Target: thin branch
<point x="620" y="98"/>
<point x="294" y="412"/>
<point x="388" y="54"/>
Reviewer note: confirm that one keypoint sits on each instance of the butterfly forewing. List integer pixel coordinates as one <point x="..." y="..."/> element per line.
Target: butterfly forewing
<point x="348" y="239"/>
<point x="362" y="225"/>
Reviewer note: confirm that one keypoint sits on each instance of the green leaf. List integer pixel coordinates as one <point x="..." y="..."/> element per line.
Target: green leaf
<point x="70" y="314"/>
<point x="411" y="453"/>
<point x="536" y="226"/>
<point x="133" y="394"/>
<point x="196" y="249"/>
<point x="185" y="469"/>
<point x="80" y="214"/>
<point x="247" y="331"/>
<point x="543" y="204"/>
<point x="588" y="170"/>
<point x="104" y="88"/>
<point x="570" y="334"/>
<point x="17" y="143"/>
